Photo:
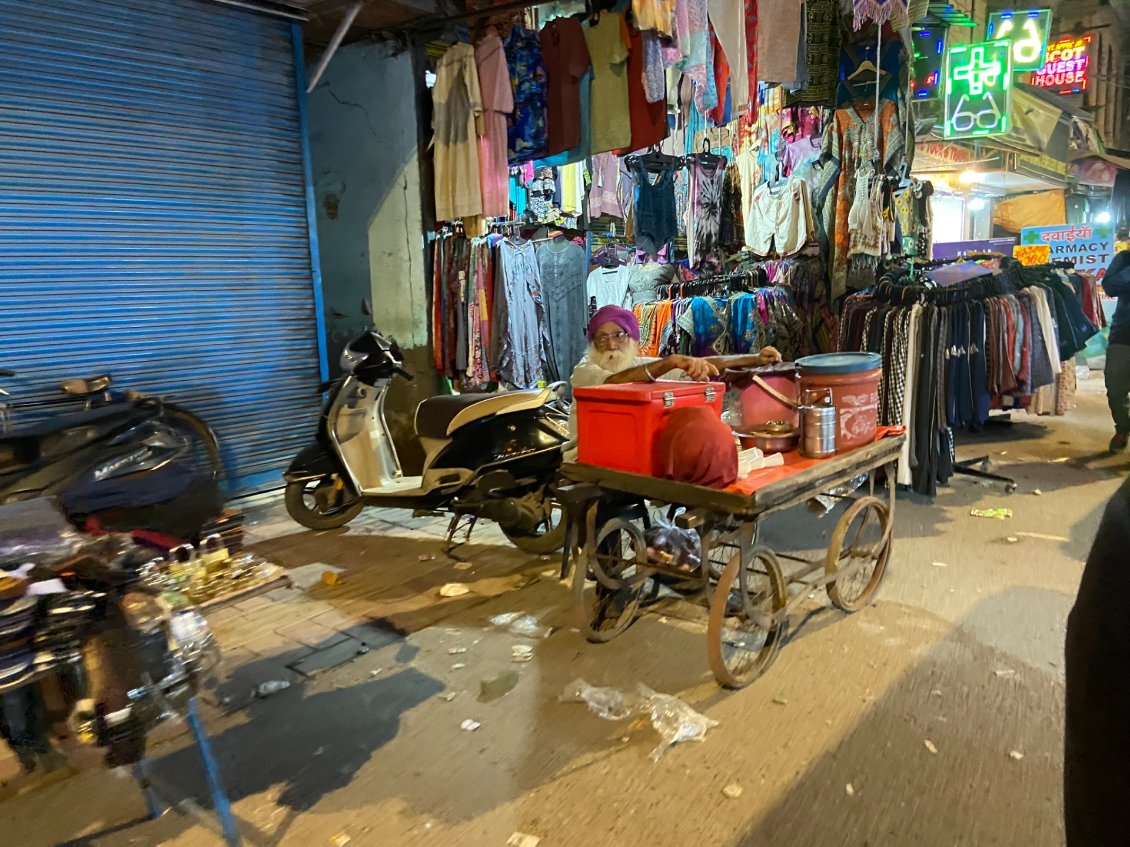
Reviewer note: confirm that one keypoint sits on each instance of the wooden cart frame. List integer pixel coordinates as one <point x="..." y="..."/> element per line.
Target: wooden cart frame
<point x="741" y="583"/>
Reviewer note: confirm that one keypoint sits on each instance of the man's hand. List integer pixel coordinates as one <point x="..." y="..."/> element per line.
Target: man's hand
<point x="700" y="370"/>
<point x="769" y="356"/>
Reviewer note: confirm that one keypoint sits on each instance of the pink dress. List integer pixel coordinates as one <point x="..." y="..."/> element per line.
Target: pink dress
<point x="498" y="102"/>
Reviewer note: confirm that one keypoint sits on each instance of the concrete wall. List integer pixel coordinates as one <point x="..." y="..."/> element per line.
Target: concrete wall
<point x="364" y="145"/>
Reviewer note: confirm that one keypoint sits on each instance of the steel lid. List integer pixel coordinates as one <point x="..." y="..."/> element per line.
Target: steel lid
<point x="839" y="363"/>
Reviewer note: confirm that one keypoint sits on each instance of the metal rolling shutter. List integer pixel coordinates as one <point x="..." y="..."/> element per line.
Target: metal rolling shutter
<point x="153" y="215"/>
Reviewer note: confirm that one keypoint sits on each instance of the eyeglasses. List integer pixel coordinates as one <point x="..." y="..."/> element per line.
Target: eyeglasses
<point x="603" y="340"/>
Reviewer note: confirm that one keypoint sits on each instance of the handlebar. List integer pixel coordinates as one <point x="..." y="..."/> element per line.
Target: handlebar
<point x="404" y="373"/>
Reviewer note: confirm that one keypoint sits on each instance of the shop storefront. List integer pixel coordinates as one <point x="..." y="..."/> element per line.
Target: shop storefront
<point x="732" y="203"/>
<point x="155" y="223"/>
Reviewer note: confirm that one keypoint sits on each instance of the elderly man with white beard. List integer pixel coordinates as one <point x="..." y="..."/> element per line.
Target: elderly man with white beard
<point x="613" y="357"/>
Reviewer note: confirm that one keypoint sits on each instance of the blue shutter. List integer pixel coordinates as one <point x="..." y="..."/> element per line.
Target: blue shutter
<point x="153" y="215"/>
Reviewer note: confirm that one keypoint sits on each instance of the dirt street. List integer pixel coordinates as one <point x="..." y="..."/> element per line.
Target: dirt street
<point x="932" y="718"/>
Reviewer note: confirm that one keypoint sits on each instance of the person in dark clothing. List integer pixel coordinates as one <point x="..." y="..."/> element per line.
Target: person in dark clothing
<point x="1096" y="756"/>
<point x="1116" y="283"/>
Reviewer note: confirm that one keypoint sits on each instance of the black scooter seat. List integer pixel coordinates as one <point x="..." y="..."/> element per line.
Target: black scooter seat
<point x="434" y="415"/>
<point x="437" y="416"/>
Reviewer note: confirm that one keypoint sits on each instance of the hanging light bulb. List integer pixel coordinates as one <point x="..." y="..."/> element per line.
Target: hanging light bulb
<point x="977" y="204"/>
<point x="1103" y="217"/>
<point x="968" y="176"/>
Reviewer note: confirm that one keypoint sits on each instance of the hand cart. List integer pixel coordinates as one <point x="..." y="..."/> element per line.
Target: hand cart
<point x="741" y="583"/>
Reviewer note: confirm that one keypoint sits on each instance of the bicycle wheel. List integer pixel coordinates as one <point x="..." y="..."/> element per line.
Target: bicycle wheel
<point x="747" y="617"/>
<point x="609" y="580"/>
<point x="858" y="553"/>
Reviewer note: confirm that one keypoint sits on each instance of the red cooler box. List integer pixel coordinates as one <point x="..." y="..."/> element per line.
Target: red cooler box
<point x="618" y="426"/>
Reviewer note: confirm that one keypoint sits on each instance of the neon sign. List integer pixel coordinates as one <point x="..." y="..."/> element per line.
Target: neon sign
<point x="1027" y="32"/>
<point x="978" y="92"/>
<point x="929" y="54"/>
<point x="1065" y="70"/>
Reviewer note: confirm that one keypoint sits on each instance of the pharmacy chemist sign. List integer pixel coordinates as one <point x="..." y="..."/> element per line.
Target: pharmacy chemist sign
<point x="1089" y="246"/>
<point x="978" y="89"/>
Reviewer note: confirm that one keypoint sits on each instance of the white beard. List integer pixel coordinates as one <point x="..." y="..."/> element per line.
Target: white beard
<point x="615" y="361"/>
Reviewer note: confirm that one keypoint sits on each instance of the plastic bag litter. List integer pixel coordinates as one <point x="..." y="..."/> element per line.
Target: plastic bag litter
<point x="612" y="704"/>
<point x="519" y="623"/>
<point x="673" y="719"/>
<point x="273" y="686"/>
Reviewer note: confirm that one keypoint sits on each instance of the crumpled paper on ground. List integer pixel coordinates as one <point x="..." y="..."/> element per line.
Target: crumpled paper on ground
<point x="673" y="719"/>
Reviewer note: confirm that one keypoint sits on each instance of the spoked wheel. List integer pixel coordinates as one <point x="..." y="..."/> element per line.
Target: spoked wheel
<point x="858" y="553"/>
<point x="747" y="618"/>
<point x="609" y="580"/>
<point x="325" y="503"/>
<point x="547" y="537"/>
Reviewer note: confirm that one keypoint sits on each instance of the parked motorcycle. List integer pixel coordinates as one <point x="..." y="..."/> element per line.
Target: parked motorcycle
<point x="98" y="641"/>
<point x="493" y="456"/>
<point x="150" y="463"/>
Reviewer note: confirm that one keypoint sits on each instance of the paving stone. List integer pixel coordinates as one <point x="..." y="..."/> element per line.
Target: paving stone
<point x="312" y="634"/>
<point x="337" y="619"/>
<point x="272" y="644"/>
<point x="374" y="636"/>
<point x="331" y="657"/>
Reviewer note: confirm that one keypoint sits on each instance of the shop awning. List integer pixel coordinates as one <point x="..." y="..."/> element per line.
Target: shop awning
<point x="1118" y="161"/>
<point x="1099" y="169"/>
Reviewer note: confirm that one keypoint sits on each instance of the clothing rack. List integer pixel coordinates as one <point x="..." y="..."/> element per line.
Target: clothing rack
<point x="716" y="282"/>
<point x="979" y="300"/>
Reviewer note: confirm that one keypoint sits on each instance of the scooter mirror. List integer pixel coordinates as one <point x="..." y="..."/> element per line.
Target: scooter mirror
<point x="366" y="309"/>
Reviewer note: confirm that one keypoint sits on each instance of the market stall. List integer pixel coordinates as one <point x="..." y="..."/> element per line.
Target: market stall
<point x="742" y="583"/>
<point x="746" y="180"/>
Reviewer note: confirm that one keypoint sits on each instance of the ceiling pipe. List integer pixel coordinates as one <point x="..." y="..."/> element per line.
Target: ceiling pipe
<point x="335" y="42"/>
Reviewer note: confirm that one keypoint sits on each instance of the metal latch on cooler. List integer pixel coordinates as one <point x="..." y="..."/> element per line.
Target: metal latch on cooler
<point x="668" y="399"/>
<point x="710" y="395"/>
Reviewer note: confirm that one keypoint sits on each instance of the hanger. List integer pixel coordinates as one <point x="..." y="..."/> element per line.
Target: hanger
<point x="654" y="160"/>
<point x="705" y="157"/>
<point x="866" y="67"/>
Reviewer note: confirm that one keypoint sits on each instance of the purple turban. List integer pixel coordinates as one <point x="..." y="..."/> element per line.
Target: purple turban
<point x="615" y="315"/>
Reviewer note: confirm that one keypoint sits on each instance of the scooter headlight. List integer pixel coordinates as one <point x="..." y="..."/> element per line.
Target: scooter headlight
<point x="350" y="359"/>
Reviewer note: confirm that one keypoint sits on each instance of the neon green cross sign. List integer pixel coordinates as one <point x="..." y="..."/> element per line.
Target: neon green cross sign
<point x="1028" y="33"/>
<point x="978" y="89"/>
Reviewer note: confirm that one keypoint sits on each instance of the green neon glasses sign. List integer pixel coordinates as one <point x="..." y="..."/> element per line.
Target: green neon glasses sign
<point x="1026" y="31"/>
<point x="978" y="89"/>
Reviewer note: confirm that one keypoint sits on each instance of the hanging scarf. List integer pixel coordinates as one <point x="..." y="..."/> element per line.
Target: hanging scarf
<point x="894" y="12"/>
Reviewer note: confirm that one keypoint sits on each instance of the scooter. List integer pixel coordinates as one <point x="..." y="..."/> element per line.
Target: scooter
<point x="136" y="460"/>
<point x="492" y="456"/>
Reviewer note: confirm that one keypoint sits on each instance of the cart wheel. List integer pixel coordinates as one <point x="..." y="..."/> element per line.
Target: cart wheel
<point x="609" y="579"/>
<point x="858" y="553"/>
<point x="747" y="618"/>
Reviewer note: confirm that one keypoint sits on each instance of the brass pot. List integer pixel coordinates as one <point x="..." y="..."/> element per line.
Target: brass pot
<point x="773" y="437"/>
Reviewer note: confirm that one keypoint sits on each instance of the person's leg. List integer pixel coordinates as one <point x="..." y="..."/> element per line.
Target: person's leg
<point x="1117" y="373"/>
